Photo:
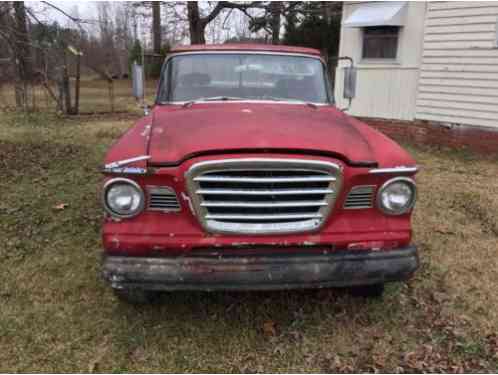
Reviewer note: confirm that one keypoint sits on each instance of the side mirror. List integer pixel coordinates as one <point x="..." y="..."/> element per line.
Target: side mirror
<point x="349" y="82"/>
<point x="137" y="76"/>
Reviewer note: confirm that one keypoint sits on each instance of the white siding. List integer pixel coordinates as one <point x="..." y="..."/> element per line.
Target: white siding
<point x="382" y="93"/>
<point x="385" y="90"/>
<point x="459" y="73"/>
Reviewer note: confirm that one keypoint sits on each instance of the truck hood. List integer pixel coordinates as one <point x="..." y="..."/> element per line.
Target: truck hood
<point x="180" y="133"/>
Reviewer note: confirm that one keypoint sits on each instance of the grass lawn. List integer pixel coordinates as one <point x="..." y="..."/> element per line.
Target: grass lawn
<point x="57" y="315"/>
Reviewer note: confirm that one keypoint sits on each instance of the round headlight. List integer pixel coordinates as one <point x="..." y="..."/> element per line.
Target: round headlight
<point x="123" y="197"/>
<point x="397" y="196"/>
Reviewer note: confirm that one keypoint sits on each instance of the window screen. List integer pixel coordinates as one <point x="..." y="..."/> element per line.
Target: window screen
<point x="380" y="42"/>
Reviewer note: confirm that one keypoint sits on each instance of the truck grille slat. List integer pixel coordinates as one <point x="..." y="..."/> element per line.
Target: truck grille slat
<point x="360" y="197"/>
<point x="259" y="196"/>
<point x="265" y="179"/>
<point x="264" y="192"/>
<point x="264" y="204"/>
<point x="262" y="217"/>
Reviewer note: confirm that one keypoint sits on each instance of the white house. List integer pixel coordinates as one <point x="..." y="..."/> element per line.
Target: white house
<point x="435" y="61"/>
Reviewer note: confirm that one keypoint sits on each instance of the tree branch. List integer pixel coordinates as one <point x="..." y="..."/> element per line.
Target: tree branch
<point x="230" y="5"/>
<point x="77" y="21"/>
<point x="226" y="18"/>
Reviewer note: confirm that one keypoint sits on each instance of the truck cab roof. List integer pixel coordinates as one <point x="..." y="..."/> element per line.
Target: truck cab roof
<point x="246" y="47"/>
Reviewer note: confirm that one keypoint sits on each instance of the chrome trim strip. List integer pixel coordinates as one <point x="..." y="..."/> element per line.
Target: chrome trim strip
<point x="267" y="162"/>
<point x="120" y="163"/>
<point x="387" y="183"/>
<point x="264" y="192"/>
<point x="264" y="179"/>
<point x="125" y="170"/>
<point x="401" y="169"/>
<point x="259" y="228"/>
<point x="111" y="182"/>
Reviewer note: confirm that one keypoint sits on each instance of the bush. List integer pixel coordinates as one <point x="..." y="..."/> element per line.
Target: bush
<point x="153" y="67"/>
<point x="153" y="63"/>
<point x="135" y="54"/>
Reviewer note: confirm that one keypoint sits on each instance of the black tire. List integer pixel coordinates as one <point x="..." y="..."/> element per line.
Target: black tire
<point x="368" y="291"/>
<point x="137" y="296"/>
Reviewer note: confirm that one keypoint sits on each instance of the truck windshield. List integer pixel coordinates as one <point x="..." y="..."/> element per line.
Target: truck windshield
<point x="241" y="76"/>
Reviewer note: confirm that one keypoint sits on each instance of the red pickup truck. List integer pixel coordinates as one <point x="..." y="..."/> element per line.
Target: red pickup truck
<point x="246" y="176"/>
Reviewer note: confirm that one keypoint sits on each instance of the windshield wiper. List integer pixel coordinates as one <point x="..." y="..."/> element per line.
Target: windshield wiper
<point x="299" y="101"/>
<point x="211" y="99"/>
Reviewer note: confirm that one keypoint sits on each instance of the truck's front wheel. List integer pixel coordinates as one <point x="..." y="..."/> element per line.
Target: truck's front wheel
<point x="137" y="296"/>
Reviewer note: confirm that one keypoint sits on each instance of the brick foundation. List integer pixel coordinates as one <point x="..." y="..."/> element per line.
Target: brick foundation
<point x="479" y="139"/>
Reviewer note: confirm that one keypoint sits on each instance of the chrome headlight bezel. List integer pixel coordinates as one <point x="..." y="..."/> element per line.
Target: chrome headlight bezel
<point x="406" y="180"/>
<point x="133" y="184"/>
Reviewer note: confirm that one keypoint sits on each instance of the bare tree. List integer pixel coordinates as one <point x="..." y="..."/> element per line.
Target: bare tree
<point x="271" y="18"/>
<point x="156" y="26"/>
<point x="176" y="25"/>
<point x="198" y="23"/>
<point x="21" y="55"/>
<point x="123" y="39"/>
<point x="51" y="55"/>
<point x="58" y="54"/>
<point x="276" y="12"/>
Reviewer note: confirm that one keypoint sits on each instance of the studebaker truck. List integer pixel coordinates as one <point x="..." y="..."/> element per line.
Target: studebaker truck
<point x="246" y="176"/>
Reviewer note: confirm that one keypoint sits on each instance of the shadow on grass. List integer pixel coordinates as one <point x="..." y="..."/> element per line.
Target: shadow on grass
<point x="269" y="313"/>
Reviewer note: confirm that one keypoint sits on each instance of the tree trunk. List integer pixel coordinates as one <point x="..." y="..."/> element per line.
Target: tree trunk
<point x="327" y="11"/>
<point x="276" y="12"/>
<point x="66" y="87"/>
<point x="196" y="25"/>
<point x="21" y="55"/>
<point x="110" y="86"/>
<point x="327" y="16"/>
<point x="18" y="85"/>
<point x="33" y="98"/>
<point x="76" y="108"/>
<point x="156" y="26"/>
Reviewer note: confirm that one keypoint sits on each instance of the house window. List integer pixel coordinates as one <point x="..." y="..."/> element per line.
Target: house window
<point x="380" y="42"/>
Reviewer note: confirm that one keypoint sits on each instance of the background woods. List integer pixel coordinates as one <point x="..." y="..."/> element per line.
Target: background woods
<point x="49" y="63"/>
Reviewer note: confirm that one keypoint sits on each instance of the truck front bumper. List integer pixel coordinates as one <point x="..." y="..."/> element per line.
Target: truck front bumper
<point x="218" y="271"/>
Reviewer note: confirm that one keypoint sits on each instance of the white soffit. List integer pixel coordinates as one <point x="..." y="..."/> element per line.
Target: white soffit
<point x="377" y="14"/>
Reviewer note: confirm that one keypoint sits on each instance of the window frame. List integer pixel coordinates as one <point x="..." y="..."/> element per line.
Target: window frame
<point x="381" y="60"/>
<point x="163" y="89"/>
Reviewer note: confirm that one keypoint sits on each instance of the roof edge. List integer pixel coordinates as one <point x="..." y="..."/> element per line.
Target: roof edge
<point x="246" y="47"/>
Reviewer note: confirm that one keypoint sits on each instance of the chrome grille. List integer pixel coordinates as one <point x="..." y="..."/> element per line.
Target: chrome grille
<point x="162" y="198"/>
<point x="360" y="197"/>
<point x="259" y="196"/>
